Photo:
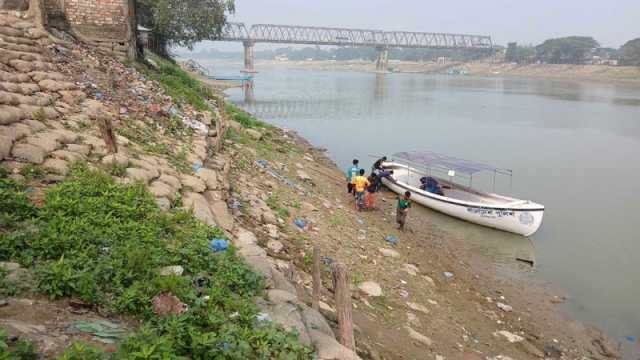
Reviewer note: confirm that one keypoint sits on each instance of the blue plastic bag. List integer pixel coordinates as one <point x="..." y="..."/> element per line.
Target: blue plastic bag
<point x="300" y="223"/>
<point x="392" y="239"/>
<point x="218" y="245"/>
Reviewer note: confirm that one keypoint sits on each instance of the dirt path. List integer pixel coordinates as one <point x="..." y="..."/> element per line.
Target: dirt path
<point x="422" y="313"/>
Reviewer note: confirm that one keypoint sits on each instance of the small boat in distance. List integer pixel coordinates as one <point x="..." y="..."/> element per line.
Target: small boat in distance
<point x="412" y="169"/>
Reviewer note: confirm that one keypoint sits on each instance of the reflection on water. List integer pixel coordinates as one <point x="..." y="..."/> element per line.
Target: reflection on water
<point x="505" y="248"/>
<point x="572" y="146"/>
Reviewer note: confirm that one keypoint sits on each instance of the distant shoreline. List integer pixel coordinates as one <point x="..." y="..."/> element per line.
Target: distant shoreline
<point x="600" y="73"/>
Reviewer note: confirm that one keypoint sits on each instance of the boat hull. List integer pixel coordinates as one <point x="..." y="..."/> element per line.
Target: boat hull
<point x="522" y="220"/>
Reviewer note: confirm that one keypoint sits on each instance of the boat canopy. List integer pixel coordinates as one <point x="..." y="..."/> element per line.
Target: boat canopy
<point x="445" y="163"/>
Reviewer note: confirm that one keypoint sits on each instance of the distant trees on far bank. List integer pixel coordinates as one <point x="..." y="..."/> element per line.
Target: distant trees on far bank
<point x="574" y="50"/>
<point x="630" y="53"/>
<point x="566" y="50"/>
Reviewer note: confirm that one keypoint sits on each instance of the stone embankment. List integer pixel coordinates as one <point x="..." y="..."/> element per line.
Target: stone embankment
<point x="60" y="101"/>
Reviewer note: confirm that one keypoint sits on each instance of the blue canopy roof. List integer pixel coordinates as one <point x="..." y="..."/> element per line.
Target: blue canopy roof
<point x="444" y="162"/>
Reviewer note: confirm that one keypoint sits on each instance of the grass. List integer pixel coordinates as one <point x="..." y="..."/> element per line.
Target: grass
<point x="31" y="172"/>
<point x="104" y="243"/>
<point x="21" y="350"/>
<point x="274" y="203"/>
<point x="242" y="117"/>
<point x="179" y="84"/>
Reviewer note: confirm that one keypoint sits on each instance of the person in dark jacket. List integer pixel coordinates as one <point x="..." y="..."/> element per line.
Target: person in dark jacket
<point x="378" y="164"/>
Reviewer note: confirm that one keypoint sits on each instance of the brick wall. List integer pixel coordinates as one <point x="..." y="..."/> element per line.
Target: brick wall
<point x="93" y="20"/>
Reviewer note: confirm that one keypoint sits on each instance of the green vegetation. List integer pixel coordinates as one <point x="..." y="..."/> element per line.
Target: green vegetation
<point x="184" y="23"/>
<point x="31" y="172"/>
<point x="105" y="243"/>
<point x="242" y="117"/>
<point x="21" y="350"/>
<point x="566" y="50"/>
<point x="630" y="53"/>
<point x="179" y="84"/>
<point x="274" y="203"/>
<point x="151" y="141"/>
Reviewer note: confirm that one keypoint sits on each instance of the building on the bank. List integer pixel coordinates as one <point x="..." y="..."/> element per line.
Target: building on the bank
<point x="103" y="23"/>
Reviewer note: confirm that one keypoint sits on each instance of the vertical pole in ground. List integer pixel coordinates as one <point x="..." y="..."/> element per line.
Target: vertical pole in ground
<point x="315" y="300"/>
<point x="343" y="306"/>
<point x="132" y="31"/>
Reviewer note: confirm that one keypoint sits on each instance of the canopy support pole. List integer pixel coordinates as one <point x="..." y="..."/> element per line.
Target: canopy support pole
<point x="494" y="181"/>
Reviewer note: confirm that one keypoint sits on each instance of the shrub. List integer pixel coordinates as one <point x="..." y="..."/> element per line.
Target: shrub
<point x="105" y="242"/>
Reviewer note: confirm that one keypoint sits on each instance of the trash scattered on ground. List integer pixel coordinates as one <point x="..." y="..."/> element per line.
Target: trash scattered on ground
<point x="392" y="239"/>
<point x="300" y="223"/>
<point x="504" y="307"/>
<point x="512" y="338"/>
<point x="102" y="330"/>
<point x="168" y="304"/>
<point x="218" y="245"/>
<point x="176" y="270"/>
<point x="196" y="167"/>
<point x="526" y="261"/>
<point x="360" y="221"/>
<point x="631" y="339"/>
<point x="448" y="275"/>
<point x="263" y="317"/>
<point x="264" y="164"/>
<point x="327" y="261"/>
<point x="404" y="294"/>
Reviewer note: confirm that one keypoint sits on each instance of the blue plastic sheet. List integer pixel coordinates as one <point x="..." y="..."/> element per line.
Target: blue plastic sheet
<point x="218" y="245"/>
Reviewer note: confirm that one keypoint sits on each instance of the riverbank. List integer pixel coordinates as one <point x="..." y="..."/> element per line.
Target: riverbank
<point x="475" y="313"/>
<point x="602" y="73"/>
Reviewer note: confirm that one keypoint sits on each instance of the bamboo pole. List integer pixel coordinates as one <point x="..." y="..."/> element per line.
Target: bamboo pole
<point x="315" y="300"/>
<point x="343" y="306"/>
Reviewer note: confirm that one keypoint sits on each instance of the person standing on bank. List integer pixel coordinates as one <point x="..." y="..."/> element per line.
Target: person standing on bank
<point x="360" y="185"/>
<point x="404" y="204"/>
<point x="352" y="172"/>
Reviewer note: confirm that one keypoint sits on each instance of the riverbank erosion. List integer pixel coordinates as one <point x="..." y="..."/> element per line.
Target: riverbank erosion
<point x="143" y="215"/>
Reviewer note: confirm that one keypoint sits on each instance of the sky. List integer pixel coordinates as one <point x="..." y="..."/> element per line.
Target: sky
<point x="611" y="22"/>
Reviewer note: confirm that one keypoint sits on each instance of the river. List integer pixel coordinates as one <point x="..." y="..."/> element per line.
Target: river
<point x="573" y="146"/>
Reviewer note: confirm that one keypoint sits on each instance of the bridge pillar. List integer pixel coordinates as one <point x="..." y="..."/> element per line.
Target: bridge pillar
<point x="248" y="57"/>
<point x="382" y="63"/>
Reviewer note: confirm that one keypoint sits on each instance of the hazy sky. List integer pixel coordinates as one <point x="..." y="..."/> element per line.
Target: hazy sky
<point x="611" y="22"/>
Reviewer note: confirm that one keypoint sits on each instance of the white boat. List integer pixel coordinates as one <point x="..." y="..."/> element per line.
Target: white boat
<point x="517" y="216"/>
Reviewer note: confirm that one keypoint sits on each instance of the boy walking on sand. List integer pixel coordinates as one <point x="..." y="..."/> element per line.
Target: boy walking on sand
<point x="360" y="185"/>
<point x="352" y="172"/>
<point x="403" y="210"/>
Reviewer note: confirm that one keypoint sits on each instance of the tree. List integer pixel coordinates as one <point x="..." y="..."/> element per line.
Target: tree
<point x="630" y="53"/>
<point x="184" y="22"/>
<point x="566" y="50"/>
<point x="512" y="52"/>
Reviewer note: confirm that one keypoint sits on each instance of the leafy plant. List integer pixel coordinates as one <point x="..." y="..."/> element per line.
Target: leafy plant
<point x="105" y="242"/>
<point x="31" y="172"/>
<point x="243" y="117"/>
<point x="21" y="350"/>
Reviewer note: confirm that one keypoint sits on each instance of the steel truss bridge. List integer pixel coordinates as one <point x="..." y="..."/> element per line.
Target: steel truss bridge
<point x="381" y="40"/>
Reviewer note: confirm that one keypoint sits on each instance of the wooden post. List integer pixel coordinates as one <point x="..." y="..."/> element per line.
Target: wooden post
<point x="132" y="30"/>
<point x="343" y="306"/>
<point x="108" y="135"/>
<point x="317" y="281"/>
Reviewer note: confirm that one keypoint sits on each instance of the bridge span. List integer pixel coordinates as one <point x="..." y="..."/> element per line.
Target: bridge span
<point x="381" y="40"/>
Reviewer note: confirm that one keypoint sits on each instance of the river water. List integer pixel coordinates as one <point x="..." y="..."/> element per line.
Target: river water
<point x="573" y="146"/>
